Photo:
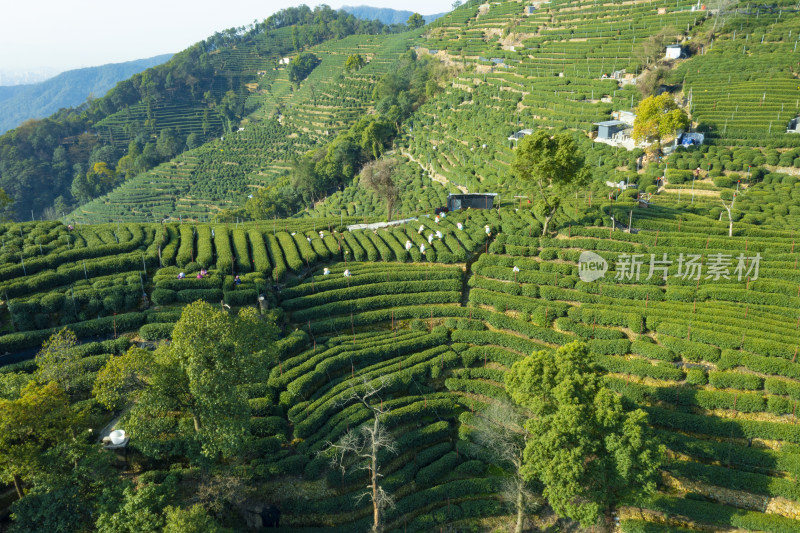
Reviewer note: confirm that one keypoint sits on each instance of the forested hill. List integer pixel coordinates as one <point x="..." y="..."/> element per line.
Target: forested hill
<point x="37" y="100"/>
<point x="51" y="165"/>
<point x="502" y="68"/>
<point x="386" y="15"/>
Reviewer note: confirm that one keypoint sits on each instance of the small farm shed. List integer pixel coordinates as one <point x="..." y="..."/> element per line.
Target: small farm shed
<point x="475" y="201"/>
<point x="519" y="135"/>
<point x="674" y="51"/>
<point x="607" y="128"/>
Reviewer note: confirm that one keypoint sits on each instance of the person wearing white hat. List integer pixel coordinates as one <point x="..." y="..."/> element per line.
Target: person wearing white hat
<point x="408" y="245"/>
<point x="326" y="271"/>
<point x="439" y="234"/>
<point x="421" y="229"/>
<point x="422" y="248"/>
<point x="459" y="225"/>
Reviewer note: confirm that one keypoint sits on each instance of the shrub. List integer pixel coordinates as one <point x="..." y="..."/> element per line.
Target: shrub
<point x="260" y="257"/>
<point x="696" y="376"/>
<point x="723" y="181"/>
<point x="276" y="258"/>
<point x="735" y="380"/>
<point x="192" y="295"/>
<point x="222" y="243"/>
<point x="163" y="296"/>
<point x="290" y="251"/>
<point x="205" y="252"/>
<point x="157" y="331"/>
<point x="241" y="297"/>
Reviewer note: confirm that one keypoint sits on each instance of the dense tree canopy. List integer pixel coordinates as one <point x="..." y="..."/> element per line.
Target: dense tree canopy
<point x="194" y="378"/>
<point x="658" y="117"/>
<point x="354" y="62"/>
<point x="58" y="361"/>
<point x="415" y="21"/>
<point x="36" y="422"/>
<point x="553" y="166"/>
<point x="301" y="66"/>
<point x="582" y="446"/>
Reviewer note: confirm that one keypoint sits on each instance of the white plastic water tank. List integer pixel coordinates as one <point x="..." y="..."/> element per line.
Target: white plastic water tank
<point x="117" y="437"/>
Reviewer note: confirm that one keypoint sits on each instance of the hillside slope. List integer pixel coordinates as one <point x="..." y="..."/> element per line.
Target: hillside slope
<point x="287" y="122"/>
<point x="551" y="67"/>
<point x="155" y="115"/>
<point x="69" y="89"/>
<point x="438" y="332"/>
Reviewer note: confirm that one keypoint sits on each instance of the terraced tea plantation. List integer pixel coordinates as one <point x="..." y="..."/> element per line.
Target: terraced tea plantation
<point x="677" y="271"/>
<point x="285" y="122"/>
<point x="699" y="329"/>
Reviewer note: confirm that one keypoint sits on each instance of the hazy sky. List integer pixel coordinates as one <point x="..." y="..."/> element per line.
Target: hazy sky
<point x="67" y="34"/>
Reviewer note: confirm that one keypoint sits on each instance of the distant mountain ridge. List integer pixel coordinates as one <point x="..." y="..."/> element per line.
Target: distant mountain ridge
<point x="19" y="103"/>
<point x="386" y="15"/>
<point x="27" y="76"/>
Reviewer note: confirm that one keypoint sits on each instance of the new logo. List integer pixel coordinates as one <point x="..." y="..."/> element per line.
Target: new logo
<point x="591" y="266"/>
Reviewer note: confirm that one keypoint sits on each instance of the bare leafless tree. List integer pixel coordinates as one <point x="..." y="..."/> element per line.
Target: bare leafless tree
<point x="216" y="491"/>
<point x="652" y="49"/>
<point x="499" y="429"/>
<point x="359" y="449"/>
<point x="723" y="11"/>
<point x="730" y="196"/>
<point x="377" y="176"/>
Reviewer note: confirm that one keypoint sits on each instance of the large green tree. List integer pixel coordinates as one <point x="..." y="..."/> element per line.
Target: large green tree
<point x="190" y="395"/>
<point x="354" y="62"/>
<point x="343" y="157"/>
<point x="587" y="451"/>
<point x="77" y="481"/>
<point x="301" y="66"/>
<point x="38" y="420"/>
<point x="122" y="378"/>
<point x="415" y="21"/>
<point x="97" y="181"/>
<point x="278" y="199"/>
<point x="59" y="361"/>
<point x="126" y="166"/>
<point x="307" y="177"/>
<point x="141" y="509"/>
<point x="658" y="117"/>
<point x="554" y="166"/>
